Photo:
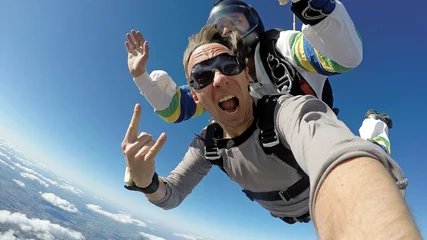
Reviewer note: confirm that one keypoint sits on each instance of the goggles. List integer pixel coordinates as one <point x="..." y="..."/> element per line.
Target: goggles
<point x="203" y="73"/>
<point x="227" y="15"/>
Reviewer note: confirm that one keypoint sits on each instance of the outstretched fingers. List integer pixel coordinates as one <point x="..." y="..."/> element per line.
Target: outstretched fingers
<point x="135" y="41"/>
<point x="128" y="47"/>
<point x="132" y="132"/>
<point x="131" y="41"/>
<point x="138" y="37"/>
<point x="156" y="147"/>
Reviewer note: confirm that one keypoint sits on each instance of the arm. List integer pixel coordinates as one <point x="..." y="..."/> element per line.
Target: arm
<point x="173" y="104"/>
<point x="383" y="214"/>
<point x="141" y="149"/>
<point x="330" y="46"/>
<point x="183" y="179"/>
<point x="351" y="184"/>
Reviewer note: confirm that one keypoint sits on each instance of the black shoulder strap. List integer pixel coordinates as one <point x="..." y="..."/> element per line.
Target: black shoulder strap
<point x="268" y="137"/>
<point x="271" y="144"/>
<point x="213" y="131"/>
<point x="282" y="73"/>
<point x="270" y="35"/>
<point x="278" y="68"/>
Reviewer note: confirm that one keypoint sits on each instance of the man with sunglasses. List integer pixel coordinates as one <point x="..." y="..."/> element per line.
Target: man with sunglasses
<point x="351" y="192"/>
<point x="328" y="45"/>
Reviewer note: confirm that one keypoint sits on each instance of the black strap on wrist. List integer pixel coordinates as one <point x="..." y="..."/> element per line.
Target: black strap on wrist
<point x="152" y="188"/>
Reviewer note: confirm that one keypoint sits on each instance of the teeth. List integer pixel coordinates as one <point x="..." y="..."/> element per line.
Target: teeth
<point x="226" y="98"/>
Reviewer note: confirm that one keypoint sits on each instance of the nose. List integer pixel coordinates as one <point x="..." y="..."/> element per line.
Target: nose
<point x="220" y="80"/>
<point x="226" y="25"/>
<point x="226" y="30"/>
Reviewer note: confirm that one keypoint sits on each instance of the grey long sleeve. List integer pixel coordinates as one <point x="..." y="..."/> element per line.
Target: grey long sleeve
<point x="319" y="141"/>
<point x="185" y="177"/>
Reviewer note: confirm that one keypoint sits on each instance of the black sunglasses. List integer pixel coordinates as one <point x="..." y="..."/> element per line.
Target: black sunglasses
<point x="203" y="73"/>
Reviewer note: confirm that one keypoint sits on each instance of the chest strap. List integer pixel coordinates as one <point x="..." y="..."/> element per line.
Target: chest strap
<point x="286" y="195"/>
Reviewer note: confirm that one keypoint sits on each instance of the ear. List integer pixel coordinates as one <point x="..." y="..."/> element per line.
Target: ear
<point x="195" y="98"/>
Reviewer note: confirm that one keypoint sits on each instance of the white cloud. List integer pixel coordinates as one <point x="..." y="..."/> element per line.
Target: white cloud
<point x="7" y="164"/>
<point x="19" y="182"/>
<point x="12" y="151"/>
<point x="7" y="235"/>
<point x="43" y="229"/>
<point x="187" y="237"/>
<point x="29" y="170"/>
<point x="70" y="188"/>
<point x="59" y="202"/>
<point x="19" y="156"/>
<point x="150" y="236"/>
<point x="35" y="178"/>
<point x="42" y="179"/>
<point x="123" y="218"/>
<point x="32" y="172"/>
<point x="4" y="156"/>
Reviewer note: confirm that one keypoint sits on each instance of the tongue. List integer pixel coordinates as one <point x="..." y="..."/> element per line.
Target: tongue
<point x="229" y="105"/>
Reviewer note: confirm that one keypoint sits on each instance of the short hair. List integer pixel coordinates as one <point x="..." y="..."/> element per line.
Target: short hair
<point x="211" y="34"/>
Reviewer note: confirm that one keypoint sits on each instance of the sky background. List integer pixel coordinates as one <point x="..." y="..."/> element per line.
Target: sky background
<point x="66" y="99"/>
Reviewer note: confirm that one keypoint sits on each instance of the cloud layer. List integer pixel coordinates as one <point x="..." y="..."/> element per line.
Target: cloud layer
<point x="186" y="236"/>
<point x="26" y="172"/>
<point x="59" y="202"/>
<point x="19" y="182"/>
<point x="123" y="218"/>
<point x="150" y="236"/>
<point x="43" y="229"/>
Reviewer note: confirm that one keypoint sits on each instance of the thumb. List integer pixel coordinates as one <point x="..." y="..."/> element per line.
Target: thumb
<point x="156" y="147"/>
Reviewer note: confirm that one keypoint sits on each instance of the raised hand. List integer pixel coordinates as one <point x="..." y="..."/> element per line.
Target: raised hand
<point x="138" y="51"/>
<point x="140" y="151"/>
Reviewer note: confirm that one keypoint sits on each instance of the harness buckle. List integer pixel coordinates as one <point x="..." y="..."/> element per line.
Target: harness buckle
<point x="212" y="153"/>
<point x="285" y="196"/>
<point x="269" y="138"/>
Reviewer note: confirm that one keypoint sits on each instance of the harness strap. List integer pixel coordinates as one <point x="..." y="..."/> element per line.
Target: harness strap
<point x="271" y="144"/>
<point x="213" y="131"/>
<point x="284" y="75"/>
<point x="305" y="218"/>
<point x="280" y="71"/>
<point x="268" y="137"/>
<point x="286" y="195"/>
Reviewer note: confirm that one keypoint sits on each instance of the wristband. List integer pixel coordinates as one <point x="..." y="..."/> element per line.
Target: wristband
<point x="152" y="188"/>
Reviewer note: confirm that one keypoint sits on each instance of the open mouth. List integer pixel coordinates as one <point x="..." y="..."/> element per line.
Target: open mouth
<point x="229" y="104"/>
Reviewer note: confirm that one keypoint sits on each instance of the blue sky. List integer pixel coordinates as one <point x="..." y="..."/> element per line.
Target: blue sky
<point x="66" y="98"/>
